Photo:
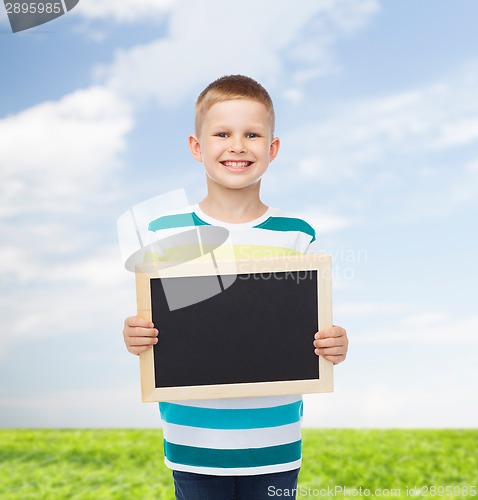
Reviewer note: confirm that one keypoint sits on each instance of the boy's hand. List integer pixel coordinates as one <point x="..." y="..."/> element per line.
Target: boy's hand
<point x="332" y="344"/>
<point x="139" y="335"/>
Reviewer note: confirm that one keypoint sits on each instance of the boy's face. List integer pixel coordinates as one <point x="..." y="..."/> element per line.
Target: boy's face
<point x="235" y="143"/>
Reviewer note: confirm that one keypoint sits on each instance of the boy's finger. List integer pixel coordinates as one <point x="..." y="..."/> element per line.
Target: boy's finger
<point x="142" y="341"/>
<point x="141" y="332"/>
<point x="334" y="331"/>
<point x="146" y="332"/>
<point x="329" y="342"/>
<point x="135" y="321"/>
<point x="330" y="351"/>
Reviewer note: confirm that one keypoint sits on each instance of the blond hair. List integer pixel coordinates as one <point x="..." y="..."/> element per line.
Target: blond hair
<point x="232" y="87"/>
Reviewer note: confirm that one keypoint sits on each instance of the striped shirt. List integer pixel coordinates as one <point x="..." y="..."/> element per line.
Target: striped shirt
<point x="237" y="436"/>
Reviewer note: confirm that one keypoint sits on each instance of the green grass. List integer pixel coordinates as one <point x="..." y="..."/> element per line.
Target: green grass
<point x="390" y="459"/>
<point x="128" y="464"/>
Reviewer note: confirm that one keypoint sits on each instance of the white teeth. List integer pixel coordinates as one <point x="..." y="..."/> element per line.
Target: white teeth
<point x="237" y="164"/>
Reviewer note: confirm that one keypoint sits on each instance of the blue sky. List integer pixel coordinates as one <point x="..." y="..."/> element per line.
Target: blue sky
<point x="377" y="111"/>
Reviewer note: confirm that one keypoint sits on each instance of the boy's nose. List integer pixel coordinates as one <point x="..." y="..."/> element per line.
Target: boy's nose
<point x="237" y="146"/>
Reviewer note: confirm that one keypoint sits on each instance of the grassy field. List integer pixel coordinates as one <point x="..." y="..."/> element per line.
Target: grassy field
<point x="128" y="464"/>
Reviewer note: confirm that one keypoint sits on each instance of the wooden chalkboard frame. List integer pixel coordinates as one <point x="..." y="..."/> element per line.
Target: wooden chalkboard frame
<point x="202" y="267"/>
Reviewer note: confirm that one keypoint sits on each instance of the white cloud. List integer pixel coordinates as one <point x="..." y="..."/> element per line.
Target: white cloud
<point x="294" y="95"/>
<point x="371" y="149"/>
<point x="380" y="405"/>
<point x="56" y="151"/>
<point x="367" y="134"/>
<point x="21" y="265"/>
<point x="414" y="382"/>
<point x="426" y="328"/>
<point x="125" y="11"/>
<point x="324" y="221"/>
<point x="426" y="319"/>
<point x="372" y="406"/>
<point x="85" y="298"/>
<point x="169" y="69"/>
<point x="358" y="308"/>
<point x="464" y="189"/>
<point x="57" y="163"/>
<point x="118" y="406"/>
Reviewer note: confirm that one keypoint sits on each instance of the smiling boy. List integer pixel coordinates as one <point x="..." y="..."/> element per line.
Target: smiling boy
<point x="235" y="143"/>
<point x="237" y="448"/>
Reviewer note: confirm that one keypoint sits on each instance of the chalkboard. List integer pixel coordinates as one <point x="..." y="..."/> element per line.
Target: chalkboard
<point x="243" y="328"/>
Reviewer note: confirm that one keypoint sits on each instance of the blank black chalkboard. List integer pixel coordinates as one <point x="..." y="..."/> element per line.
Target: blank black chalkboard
<point x="258" y="329"/>
<point x="237" y="328"/>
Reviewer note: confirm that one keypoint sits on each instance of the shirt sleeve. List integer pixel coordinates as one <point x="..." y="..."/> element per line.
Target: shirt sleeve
<point x="312" y="248"/>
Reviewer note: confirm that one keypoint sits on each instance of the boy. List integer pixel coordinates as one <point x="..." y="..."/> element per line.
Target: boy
<point x="243" y="448"/>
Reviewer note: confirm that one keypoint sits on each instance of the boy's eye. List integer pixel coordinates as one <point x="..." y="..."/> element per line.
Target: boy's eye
<point x="224" y="135"/>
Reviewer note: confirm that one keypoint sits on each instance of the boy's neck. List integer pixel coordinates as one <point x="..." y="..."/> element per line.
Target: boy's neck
<point x="234" y="208"/>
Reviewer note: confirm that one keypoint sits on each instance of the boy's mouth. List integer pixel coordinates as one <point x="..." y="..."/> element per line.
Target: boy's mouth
<point x="236" y="164"/>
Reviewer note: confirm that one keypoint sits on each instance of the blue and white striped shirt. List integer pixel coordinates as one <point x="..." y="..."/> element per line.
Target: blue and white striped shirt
<point x="238" y="436"/>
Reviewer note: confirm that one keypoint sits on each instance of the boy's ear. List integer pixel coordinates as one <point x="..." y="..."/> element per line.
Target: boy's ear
<point x="274" y="148"/>
<point x="195" y="147"/>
